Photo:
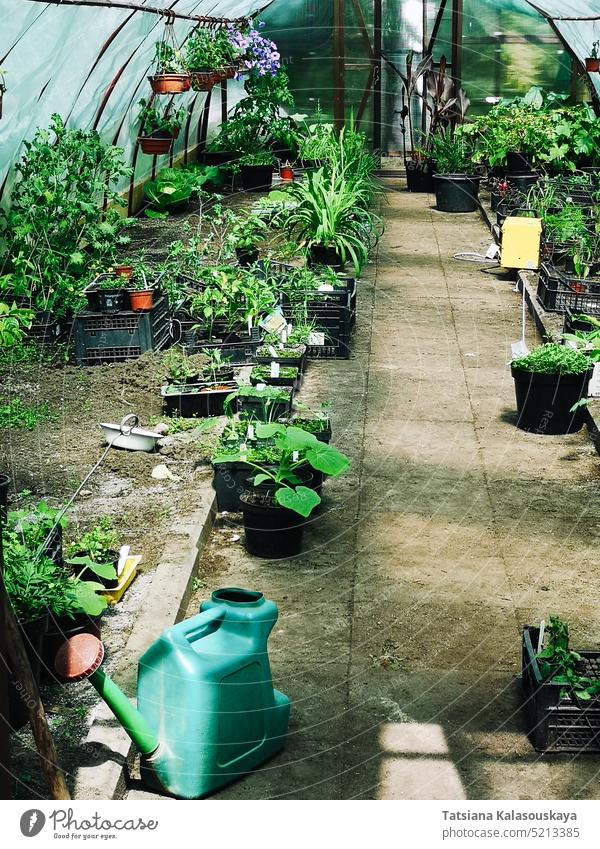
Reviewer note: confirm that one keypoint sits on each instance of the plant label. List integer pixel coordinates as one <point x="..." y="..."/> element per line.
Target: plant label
<point x="272" y="351"/>
<point x="594" y="385"/>
<point x="274" y="369"/>
<point x="295" y="456"/>
<point x="274" y="322"/>
<point x="316" y="338"/>
<point x="519" y="349"/>
<point x="261" y="386"/>
<point x="326" y="287"/>
<point x="250" y="432"/>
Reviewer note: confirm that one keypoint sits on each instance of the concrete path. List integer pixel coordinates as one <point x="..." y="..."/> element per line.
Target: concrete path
<point x="400" y="626"/>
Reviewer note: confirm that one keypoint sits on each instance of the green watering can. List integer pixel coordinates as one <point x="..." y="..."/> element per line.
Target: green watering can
<point x="207" y="711"/>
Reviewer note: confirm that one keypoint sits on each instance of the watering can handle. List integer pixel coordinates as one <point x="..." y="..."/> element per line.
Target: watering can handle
<point x="185" y="632"/>
<point x="127" y="428"/>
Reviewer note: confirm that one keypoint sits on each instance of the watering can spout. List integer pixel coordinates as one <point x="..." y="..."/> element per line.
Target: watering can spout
<point x="79" y="658"/>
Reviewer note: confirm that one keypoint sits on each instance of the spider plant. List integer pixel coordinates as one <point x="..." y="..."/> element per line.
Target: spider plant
<point x="332" y="211"/>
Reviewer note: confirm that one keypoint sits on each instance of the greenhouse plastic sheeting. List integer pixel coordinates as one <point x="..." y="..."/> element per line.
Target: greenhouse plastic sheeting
<point x="578" y="34"/>
<point x="90" y="65"/>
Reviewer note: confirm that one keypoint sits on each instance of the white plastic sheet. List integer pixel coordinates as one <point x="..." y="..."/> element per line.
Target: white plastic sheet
<point x="70" y="59"/>
<point x="580" y="34"/>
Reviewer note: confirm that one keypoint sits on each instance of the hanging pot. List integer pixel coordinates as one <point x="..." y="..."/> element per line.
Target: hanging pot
<point x="592" y="65"/>
<point x="155" y="145"/>
<point x="203" y="80"/>
<point x="170" y="83"/>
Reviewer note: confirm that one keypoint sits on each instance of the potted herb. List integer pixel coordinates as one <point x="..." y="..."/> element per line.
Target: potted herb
<point x="181" y="368"/>
<point x="263" y="403"/>
<point x="286" y="376"/>
<point x="279" y="498"/>
<point x="257" y="171"/>
<point x="285" y="354"/>
<point x="98" y="547"/>
<point x="141" y="295"/>
<point x="209" y="58"/>
<point x="107" y="293"/>
<point x="247" y="233"/>
<point x="40" y="529"/>
<point x="158" y="129"/>
<point x="456" y="186"/>
<point x="217" y="367"/>
<point x="592" y="62"/>
<point x="550" y="383"/>
<point x="169" y="77"/>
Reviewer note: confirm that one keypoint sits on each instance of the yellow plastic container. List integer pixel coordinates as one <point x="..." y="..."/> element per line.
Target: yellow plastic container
<point x="127" y="575"/>
<point x="521" y="239"/>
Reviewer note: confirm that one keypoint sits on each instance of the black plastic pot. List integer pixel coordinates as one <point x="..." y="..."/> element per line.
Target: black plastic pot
<point x="296" y="362"/>
<point x="419" y="177"/>
<point x="229" y="482"/>
<point x="33" y="635"/>
<point x="522" y="182"/>
<point x="111" y="300"/>
<point x="517" y="161"/>
<point x="271" y="531"/>
<point x="544" y="401"/>
<point x="257" y="178"/>
<point x="219" y="157"/>
<point x="322" y="255"/>
<point x="90" y="575"/>
<point x="456" y="192"/>
<point x="259" y="408"/>
<point x="246" y="257"/>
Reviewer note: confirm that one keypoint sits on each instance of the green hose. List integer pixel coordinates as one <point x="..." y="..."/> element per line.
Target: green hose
<point x="131" y="719"/>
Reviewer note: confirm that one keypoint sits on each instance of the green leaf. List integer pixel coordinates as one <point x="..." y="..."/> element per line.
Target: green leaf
<point x="86" y="593"/>
<point x="266" y="431"/>
<point x="261" y="479"/>
<point x="301" y="500"/>
<point x="297" y="439"/>
<point x="150" y="213"/>
<point x="327" y="459"/>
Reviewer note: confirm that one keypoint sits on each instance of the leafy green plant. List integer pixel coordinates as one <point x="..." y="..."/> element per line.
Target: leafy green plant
<point x="14" y="321"/>
<point x="269" y="396"/>
<point x="451" y="152"/>
<point x="262" y="374"/>
<point x="100" y="543"/>
<point x="207" y="50"/>
<point x="178" y="364"/>
<point x="63" y="220"/>
<point x="215" y="363"/>
<point x="296" y="449"/>
<point x="32" y="525"/>
<point x="154" y="121"/>
<point x="176" y="186"/>
<point x="168" y="60"/>
<point x="553" y="359"/>
<point x="17" y="414"/>
<point x="559" y="664"/>
<point x="331" y="212"/>
<point x="261" y="157"/>
<point x="565" y="226"/>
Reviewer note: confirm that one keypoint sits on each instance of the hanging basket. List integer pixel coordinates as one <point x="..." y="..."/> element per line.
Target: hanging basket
<point x="203" y="80"/>
<point x="592" y="65"/>
<point x="170" y="83"/>
<point x="155" y="145"/>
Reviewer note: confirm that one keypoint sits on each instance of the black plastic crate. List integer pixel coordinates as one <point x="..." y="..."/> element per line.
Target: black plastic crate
<point x="558" y="724"/>
<point x="571" y="325"/>
<point x="236" y="348"/>
<point x="557" y="292"/>
<point x="108" y="338"/>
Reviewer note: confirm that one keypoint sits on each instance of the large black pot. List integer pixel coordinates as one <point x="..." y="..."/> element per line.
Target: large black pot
<point x="32" y="635"/>
<point x="322" y="255"/>
<point x="257" y="178"/>
<point x="246" y="256"/>
<point x="456" y="192"/>
<point x="522" y="182"/>
<point x="419" y="177"/>
<point x="544" y="401"/>
<point x="271" y="531"/>
<point x="229" y="482"/>
<point x="517" y="161"/>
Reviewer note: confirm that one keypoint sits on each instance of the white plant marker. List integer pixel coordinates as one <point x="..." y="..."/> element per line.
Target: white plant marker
<point x="250" y="432"/>
<point x="272" y="351"/>
<point x="123" y="555"/>
<point x="594" y="384"/>
<point x="540" y="645"/>
<point x="274" y="369"/>
<point x="520" y="349"/>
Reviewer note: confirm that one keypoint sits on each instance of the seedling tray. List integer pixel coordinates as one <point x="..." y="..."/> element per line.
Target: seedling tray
<point x="237" y="348"/>
<point x="558" y="724"/>
<point x="196" y="400"/>
<point x="570" y="325"/>
<point x="118" y="337"/>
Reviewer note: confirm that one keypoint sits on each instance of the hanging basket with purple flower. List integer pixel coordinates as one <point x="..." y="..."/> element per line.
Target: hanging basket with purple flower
<point x="255" y="53"/>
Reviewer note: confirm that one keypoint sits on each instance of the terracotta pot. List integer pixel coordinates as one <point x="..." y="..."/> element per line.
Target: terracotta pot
<point x="124" y="270"/>
<point x="592" y="65"/>
<point x="230" y="73"/>
<point x="154" y="146"/>
<point x="141" y="301"/>
<point x="170" y="83"/>
<point x="286" y="172"/>
<point x="202" y="80"/>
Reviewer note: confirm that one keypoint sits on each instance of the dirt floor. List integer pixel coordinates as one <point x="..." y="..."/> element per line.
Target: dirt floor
<point x="50" y="461"/>
<point x="399" y="635"/>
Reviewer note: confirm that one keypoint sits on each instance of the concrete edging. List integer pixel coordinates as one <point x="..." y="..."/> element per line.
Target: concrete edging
<point x="107" y="747"/>
<point x="550" y="326"/>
